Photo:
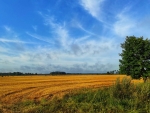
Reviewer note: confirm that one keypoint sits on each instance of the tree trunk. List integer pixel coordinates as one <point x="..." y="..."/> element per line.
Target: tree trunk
<point x="145" y="79"/>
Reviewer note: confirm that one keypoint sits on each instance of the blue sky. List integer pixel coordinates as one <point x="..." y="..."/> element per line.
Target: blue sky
<point x="81" y="36"/>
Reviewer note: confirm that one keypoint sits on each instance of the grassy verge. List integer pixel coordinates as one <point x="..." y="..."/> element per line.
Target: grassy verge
<point x="122" y="97"/>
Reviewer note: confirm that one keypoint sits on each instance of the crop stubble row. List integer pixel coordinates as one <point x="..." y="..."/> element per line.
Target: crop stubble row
<point x="14" y="89"/>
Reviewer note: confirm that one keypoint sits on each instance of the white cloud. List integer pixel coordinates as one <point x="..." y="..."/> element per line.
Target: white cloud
<point x="41" y="38"/>
<point x="125" y="25"/>
<point x="128" y="25"/>
<point x="2" y="49"/>
<point x="60" y="33"/>
<point x="93" y="7"/>
<point x="79" y="25"/>
<point x="71" y="45"/>
<point x="4" y="40"/>
<point x="82" y="39"/>
<point x="7" y="28"/>
<point x="47" y="59"/>
<point x="35" y="28"/>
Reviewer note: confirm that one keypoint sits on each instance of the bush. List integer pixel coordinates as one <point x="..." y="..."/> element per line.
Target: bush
<point x="123" y="89"/>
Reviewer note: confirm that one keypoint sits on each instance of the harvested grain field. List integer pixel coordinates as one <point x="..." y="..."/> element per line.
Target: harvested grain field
<point x="18" y="88"/>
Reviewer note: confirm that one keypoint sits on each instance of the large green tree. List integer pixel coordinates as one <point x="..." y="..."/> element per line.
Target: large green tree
<point x="135" y="57"/>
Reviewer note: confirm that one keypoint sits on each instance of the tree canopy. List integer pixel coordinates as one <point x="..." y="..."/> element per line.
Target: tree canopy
<point x="135" y="57"/>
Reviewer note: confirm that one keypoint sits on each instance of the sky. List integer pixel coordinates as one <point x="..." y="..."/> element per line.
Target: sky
<point x="75" y="36"/>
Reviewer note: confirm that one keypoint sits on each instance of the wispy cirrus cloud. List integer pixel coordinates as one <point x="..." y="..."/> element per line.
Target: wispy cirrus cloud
<point x="125" y="25"/>
<point x="7" y="28"/>
<point x="35" y="27"/>
<point x="41" y="38"/>
<point x="60" y="32"/>
<point x="12" y="37"/>
<point x="78" y="25"/>
<point x="73" y="45"/>
<point x="4" y="40"/>
<point x="93" y="7"/>
<point x="128" y="25"/>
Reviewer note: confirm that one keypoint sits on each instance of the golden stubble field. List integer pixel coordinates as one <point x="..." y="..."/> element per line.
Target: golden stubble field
<point x="17" y="88"/>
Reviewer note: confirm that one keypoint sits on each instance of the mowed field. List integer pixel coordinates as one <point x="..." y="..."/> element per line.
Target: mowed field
<point x="17" y="88"/>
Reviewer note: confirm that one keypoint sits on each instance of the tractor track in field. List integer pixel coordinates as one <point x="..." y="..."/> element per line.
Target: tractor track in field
<point x="36" y="88"/>
<point x="47" y="86"/>
<point x="27" y="92"/>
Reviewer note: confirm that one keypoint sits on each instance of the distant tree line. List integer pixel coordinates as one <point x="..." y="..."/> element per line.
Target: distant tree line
<point x="16" y="74"/>
<point x="64" y="73"/>
<point x="58" y="73"/>
<point x="113" y="72"/>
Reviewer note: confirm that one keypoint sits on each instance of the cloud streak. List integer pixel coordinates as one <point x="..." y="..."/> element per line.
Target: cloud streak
<point x="93" y="7"/>
<point x="7" y="28"/>
<point x="41" y="38"/>
<point x="3" y="40"/>
<point x="124" y="25"/>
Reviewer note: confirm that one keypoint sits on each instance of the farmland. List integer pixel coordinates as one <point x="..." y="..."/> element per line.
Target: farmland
<point x="14" y="89"/>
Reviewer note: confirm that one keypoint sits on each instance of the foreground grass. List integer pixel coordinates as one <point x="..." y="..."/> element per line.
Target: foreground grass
<point x="122" y="97"/>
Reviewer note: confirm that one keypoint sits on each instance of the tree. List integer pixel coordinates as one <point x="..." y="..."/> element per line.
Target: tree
<point x="58" y="73"/>
<point x="135" y="57"/>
